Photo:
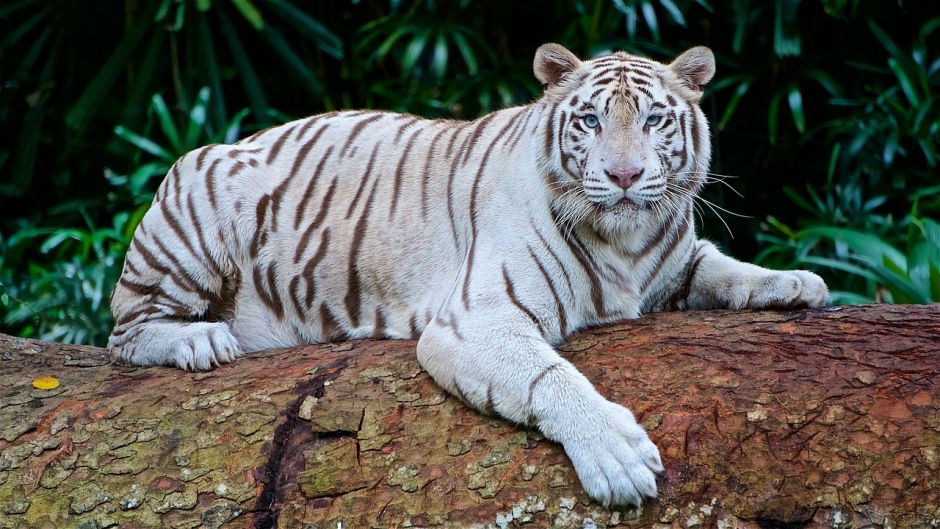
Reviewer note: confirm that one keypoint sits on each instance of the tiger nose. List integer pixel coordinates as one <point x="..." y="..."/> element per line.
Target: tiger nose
<point x="624" y="177"/>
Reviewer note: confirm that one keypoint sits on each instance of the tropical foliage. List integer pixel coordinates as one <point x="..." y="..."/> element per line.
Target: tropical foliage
<point x="825" y="117"/>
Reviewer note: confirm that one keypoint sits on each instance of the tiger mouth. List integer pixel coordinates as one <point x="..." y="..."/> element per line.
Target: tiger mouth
<point x="625" y="204"/>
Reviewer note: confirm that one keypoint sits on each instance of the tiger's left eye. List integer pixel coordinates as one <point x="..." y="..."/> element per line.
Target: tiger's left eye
<point x="654" y="120"/>
<point x="590" y="120"/>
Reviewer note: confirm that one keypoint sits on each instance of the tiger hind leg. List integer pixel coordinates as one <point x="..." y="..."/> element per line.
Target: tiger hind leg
<point x="193" y="346"/>
<point x="178" y="290"/>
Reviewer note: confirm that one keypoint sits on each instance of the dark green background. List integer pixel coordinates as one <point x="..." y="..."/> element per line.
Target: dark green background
<point x="823" y="114"/>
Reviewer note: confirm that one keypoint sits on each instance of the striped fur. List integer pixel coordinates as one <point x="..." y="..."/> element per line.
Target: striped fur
<point x="491" y="240"/>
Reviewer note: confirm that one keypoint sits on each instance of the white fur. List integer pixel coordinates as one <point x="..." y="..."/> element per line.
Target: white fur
<point x="516" y="210"/>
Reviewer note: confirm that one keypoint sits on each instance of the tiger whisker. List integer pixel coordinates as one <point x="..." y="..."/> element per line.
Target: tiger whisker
<point x="710" y="206"/>
<point x="711" y="178"/>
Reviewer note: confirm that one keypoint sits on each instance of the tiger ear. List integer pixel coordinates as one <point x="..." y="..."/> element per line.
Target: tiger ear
<point x="552" y="62"/>
<point x="695" y="68"/>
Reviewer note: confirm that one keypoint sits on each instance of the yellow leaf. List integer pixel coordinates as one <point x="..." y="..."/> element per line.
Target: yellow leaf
<point x="46" y="382"/>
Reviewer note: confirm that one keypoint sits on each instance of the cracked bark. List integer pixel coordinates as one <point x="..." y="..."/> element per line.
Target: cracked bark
<point x="824" y="418"/>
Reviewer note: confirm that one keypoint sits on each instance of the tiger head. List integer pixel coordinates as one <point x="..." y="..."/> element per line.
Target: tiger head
<point x="624" y="140"/>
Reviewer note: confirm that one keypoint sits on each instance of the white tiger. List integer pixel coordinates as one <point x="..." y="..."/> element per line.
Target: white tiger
<point x="491" y="240"/>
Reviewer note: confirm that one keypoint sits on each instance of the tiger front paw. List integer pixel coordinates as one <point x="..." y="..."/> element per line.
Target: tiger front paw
<point x="614" y="458"/>
<point x="788" y="290"/>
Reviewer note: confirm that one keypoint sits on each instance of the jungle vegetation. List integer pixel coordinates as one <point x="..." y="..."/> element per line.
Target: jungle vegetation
<point x="824" y="116"/>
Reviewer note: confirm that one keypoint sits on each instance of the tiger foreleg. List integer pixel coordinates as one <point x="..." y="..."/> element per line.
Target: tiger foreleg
<point x="500" y="363"/>
<point x="719" y="281"/>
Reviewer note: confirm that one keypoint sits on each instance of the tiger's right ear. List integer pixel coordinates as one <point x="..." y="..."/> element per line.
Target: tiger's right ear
<point x="552" y="62"/>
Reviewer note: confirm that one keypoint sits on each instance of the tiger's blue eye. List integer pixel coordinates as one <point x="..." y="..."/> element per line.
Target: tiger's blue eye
<point x="590" y="120"/>
<point x="654" y="120"/>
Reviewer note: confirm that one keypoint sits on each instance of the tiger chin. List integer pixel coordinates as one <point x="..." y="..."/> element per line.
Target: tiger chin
<point x="489" y="241"/>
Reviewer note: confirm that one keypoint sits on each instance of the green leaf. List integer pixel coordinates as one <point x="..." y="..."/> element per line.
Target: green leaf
<point x="795" y="99"/>
<point x="197" y="118"/>
<point x="649" y="15"/>
<point x="234" y="127"/>
<point x="786" y="31"/>
<point x="799" y="200"/>
<point x="891" y="147"/>
<point x="246" y="71"/>
<point x="825" y="80"/>
<point x="109" y="73"/>
<point x="929" y="27"/>
<point x="58" y="238"/>
<point x="773" y="112"/>
<point x="166" y="121"/>
<point x="12" y="7"/>
<point x="841" y="266"/>
<point x="733" y="102"/>
<point x="886" y="41"/>
<point x="250" y="12"/>
<point x="293" y="61"/>
<point x="144" y="144"/>
<point x="833" y="161"/>
<point x="674" y="11"/>
<point x="466" y="51"/>
<point x="901" y="285"/>
<point x="841" y="297"/>
<point x="907" y="85"/>
<point x="390" y="41"/>
<point x="23" y="28"/>
<point x="741" y="9"/>
<point x="413" y="52"/>
<point x="325" y="39"/>
<point x="865" y="244"/>
<point x="142" y="175"/>
<point x="705" y="5"/>
<point x="439" y="59"/>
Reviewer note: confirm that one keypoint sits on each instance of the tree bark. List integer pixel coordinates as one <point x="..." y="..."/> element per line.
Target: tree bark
<point x="824" y="418"/>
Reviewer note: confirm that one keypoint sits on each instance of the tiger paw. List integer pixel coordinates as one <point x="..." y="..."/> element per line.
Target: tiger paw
<point x="786" y="290"/>
<point x="614" y="458"/>
<point x="203" y="346"/>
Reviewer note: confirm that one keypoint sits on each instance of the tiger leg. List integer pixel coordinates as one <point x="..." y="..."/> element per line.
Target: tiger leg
<point x="500" y="363"/>
<point x="719" y="281"/>
<point x="176" y="293"/>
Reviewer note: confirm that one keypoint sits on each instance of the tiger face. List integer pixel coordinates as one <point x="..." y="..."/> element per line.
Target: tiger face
<point x="625" y="139"/>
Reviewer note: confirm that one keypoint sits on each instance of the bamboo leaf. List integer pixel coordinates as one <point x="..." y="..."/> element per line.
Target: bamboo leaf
<point x="234" y="127"/>
<point x="674" y="11"/>
<point x="144" y="144"/>
<point x="197" y="118"/>
<point x="907" y="85"/>
<point x="246" y="71"/>
<point x="795" y="99"/>
<point x="773" y="112"/>
<point x="466" y="51"/>
<point x="413" y="52"/>
<point x="109" y="73"/>
<point x="250" y="12"/>
<point x="649" y="15"/>
<point x="166" y="122"/>
<point x="325" y="39"/>
<point x="439" y="59"/>
<point x="732" y="105"/>
<point x="786" y="31"/>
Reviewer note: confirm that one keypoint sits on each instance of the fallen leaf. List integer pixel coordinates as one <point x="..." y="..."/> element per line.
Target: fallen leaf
<point x="46" y="382"/>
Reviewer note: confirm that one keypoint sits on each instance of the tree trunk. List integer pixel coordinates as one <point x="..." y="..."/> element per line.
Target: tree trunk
<point x="825" y="418"/>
